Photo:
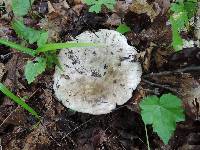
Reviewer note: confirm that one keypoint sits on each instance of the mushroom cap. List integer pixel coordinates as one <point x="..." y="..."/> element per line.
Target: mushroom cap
<point x="95" y="79"/>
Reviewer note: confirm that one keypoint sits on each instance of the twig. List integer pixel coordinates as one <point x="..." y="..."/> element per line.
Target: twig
<point x="147" y="137"/>
<point x="8" y="116"/>
<point x="160" y="85"/>
<point x="76" y="128"/>
<point x="50" y="135"/>
<point x="182" y="70"/>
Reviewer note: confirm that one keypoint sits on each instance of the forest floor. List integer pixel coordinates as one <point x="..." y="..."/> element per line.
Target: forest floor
<point x="62" y="128"/>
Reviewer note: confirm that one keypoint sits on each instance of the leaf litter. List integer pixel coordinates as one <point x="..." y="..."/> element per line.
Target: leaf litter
<point x="123" y="128"/>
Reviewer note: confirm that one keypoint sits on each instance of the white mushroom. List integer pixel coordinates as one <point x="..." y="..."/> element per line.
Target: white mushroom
<point x="96" y="79"/>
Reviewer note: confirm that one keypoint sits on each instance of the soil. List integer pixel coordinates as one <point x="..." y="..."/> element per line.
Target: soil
<point x="63" y="129"/>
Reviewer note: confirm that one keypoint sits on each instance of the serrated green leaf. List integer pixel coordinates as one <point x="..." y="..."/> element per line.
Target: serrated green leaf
<point x="123" y="28"/>
<point x="17" y="100"/>
<point x="24" y="32"/>
<point x="95" y="8"/>
<point x="21" y="7"/>
<point x="33" y="69"/>
<point x="97" y="4"/>
<point x="29" y="34"/>
<point x="163" y="114"/>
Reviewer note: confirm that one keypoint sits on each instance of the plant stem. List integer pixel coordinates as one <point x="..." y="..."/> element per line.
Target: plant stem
<point x="147" y="137"/>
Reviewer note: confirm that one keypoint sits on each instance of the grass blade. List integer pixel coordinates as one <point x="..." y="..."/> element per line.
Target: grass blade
<point x="18" y="100"/>
<point x="18" y="47"/>
<point x="55" y="46"/>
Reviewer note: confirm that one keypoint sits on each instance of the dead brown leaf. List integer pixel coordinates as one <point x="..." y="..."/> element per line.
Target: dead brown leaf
<point x="145" y="57"/>
<point x="35" y="138"/>
<point x="161" y="57"/>
<point x="113" y="20"/>
<point x="141" y="7"/>
<point x="121" y="7"/>
<point x="164" y="5"/>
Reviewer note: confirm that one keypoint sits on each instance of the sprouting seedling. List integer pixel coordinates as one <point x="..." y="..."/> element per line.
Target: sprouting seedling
<point x="45" y="53"/>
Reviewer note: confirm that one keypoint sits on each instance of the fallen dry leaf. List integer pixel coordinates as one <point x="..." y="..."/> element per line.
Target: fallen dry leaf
<point x="78" y="2"/>
<point x="145" y="57"/>
<point x="141" y="7"/>
<point x="114" y="20"/>
<point x="50" y="7"/>
<point x="164" y="5"/>
<point x="161" y="57"/>
<point x="8" y="5"/>
<point x="121" y="7"/>
<point x="191" y="100"/>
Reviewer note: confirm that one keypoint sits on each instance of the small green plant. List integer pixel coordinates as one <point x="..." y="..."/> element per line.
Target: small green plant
<point x="45" y="54"/>
<point x="162" y="113"/>
<point x="18" y="100"/>
<point x="123" y="28"/>
<point x="182" y="12"/>
<point x="42" y="57"/>
<point x="95" y="5"/>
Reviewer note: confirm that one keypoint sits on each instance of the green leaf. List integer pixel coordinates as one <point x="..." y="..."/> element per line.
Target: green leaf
<point x="52" y="59"/>
<point x="178" y="21"/>
<point x="17" y="47"/>
<point x="183" y="10"/>
<point x="191" y="7"/>
<point x="55" y="46"/>
<point x="177" y="41"/>
<point x="163" y="114"/>
<point x="42" y="39"/>
<point x="177" y="7"/>
<point x="89" y="2"/>
<point x="179" y="17"/>
<point x="33" y="69"/>
<point x="95" y="5"/>
<point x="29" y="34"/>
<point x="95" y="8"/>
<point x="108" y="3"/>
<point x="21" y="7"/>
<point x="18" y="100"/>
<point x="123" y="28"/>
